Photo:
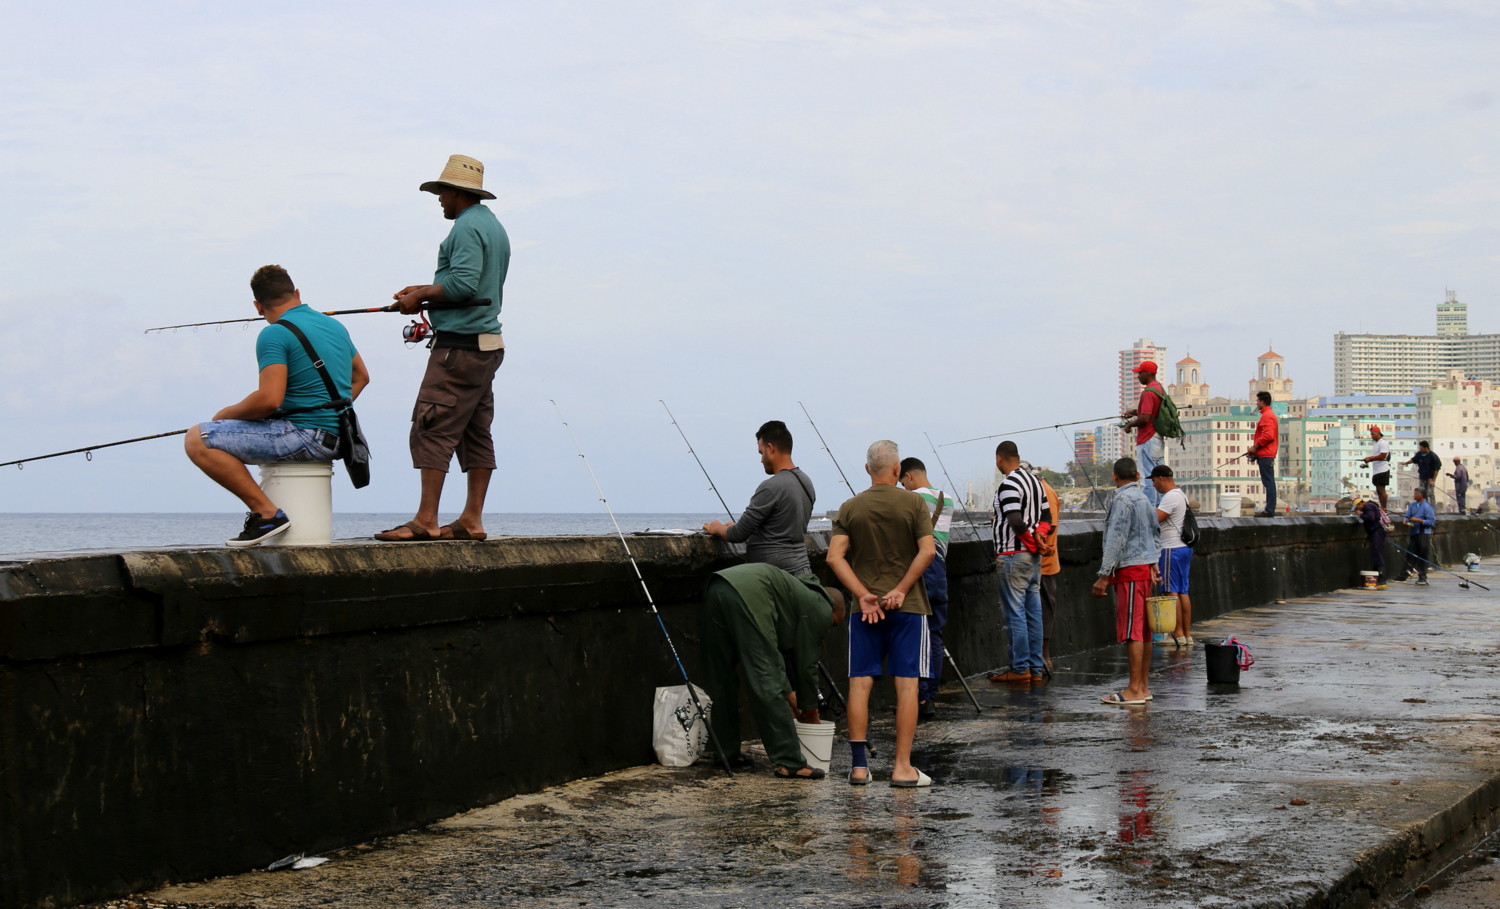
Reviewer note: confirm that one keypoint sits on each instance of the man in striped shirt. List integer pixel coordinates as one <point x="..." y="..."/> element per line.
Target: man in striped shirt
<point x="1022" y="518"/>
<point x="934" y="579"/>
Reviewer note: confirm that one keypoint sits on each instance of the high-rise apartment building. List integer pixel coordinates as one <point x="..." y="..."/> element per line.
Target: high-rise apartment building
<point x="1135" y="355"/>
<point x="1453" y="316"/>
<point x="1083" y="447"/>
<point x="1396" y="364"/>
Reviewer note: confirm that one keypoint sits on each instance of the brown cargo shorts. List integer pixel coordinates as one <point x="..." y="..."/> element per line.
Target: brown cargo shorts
<point x="454" y="408"/>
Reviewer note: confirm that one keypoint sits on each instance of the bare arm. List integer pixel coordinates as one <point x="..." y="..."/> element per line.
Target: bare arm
<point x="838" y="550"/>
<point x="358" y="379"/>
<point x="926" y="550"/>
<point x="263" y="401"/>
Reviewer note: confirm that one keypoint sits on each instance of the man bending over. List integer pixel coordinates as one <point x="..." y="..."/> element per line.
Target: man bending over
<point x="251" y="432"/>
<point x="881" y="544"/>
<point x="766" y="624"/>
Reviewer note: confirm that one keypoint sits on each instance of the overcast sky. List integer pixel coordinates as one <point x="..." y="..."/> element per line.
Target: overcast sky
<point x="942" y="218"/>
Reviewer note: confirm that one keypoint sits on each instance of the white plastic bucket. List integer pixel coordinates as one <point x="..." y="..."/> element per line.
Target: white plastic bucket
<point x="304" y="490"/>
<point x="817" y="744"/>
<point x="1229" y="505"/>
<point x="1370" y="579"/>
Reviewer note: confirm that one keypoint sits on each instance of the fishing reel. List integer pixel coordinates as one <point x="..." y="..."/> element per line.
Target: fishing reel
<point x="416" y="332"/>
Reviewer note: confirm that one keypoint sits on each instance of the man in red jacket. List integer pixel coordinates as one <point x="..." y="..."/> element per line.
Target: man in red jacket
<point x="1263" y="451"/>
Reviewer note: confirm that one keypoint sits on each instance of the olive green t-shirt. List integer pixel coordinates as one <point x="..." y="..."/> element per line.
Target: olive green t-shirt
<point x="885" y="526"/>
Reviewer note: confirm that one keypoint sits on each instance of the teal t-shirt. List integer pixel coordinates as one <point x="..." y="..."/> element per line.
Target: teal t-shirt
<point x="472" y="262"/>
<point x="304" y="386"/>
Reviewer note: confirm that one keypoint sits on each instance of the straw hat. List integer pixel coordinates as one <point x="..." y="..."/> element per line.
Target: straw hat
<point x="461" y="172"/>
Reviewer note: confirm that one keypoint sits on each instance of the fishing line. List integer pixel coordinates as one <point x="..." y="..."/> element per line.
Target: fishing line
<point x="692" y="691"/>
<point x="1036" y="429"/>
<point x="88" y="452"/>
<point x="695" y="458"/>
<point x="826" y="448"/>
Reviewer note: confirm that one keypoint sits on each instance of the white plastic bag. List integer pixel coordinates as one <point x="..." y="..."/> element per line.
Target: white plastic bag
<point x="677" y="734"/>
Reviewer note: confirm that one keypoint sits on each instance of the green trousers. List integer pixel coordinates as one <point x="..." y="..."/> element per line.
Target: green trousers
<point x="731" y="638"/>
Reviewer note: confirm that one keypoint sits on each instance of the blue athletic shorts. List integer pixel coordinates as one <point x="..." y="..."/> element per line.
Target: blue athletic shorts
<point x="900" y="641"/>
<point x="1174" y="566"/>
<point x="268" y="441"/>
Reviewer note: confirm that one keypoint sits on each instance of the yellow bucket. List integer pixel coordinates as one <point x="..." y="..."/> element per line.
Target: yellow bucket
<point x="1161" y="614"/>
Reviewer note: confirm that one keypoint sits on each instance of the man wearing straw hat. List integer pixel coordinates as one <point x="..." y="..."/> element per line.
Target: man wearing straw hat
<point x="456" y="401"/>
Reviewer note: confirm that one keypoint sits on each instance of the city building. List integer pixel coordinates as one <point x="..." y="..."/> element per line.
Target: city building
<point x="1395" y="414"/>
<point x="1458" y="407"/>
<point x="1270" y="375"/>
<point x="1190" y="388"/>
<point x="1395" y="364"/>
<point x="1209" y="459"/>
<point x="1337" y="468"/>
<point x="1083" y="447"/>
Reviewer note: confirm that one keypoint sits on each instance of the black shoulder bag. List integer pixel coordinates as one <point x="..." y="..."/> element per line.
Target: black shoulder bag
<point x="353" y="450"/>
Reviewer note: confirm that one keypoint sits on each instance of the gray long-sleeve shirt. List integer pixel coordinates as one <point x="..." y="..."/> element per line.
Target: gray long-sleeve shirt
<point x="773" y="526"/>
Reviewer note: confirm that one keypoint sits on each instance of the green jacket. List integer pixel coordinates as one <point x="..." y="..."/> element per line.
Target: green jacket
<point x="794" y="612"/>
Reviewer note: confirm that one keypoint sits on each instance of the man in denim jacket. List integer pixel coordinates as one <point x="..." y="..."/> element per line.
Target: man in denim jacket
<point x="1131" y="550"/>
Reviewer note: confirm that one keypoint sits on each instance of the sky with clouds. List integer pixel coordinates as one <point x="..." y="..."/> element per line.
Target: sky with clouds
<point x="914" y="218"/>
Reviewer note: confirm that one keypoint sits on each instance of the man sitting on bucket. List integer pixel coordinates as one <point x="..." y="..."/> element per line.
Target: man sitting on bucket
<point x="766" y="622"/>
<point x="250" y="432"/>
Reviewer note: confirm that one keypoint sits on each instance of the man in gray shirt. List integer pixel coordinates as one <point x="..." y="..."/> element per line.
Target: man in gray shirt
<point x="773" y="526"/>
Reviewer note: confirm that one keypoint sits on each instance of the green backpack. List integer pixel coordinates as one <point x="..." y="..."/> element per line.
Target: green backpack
<point x="1168" y="426"/>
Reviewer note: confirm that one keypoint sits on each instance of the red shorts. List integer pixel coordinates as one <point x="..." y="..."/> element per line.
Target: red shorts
<point x="1132" y="586"/>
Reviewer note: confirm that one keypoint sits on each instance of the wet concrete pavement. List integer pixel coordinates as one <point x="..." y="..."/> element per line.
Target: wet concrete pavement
<point x="1367" y="712"/>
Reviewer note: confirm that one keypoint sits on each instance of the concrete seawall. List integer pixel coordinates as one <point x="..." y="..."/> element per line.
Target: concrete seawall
<point x="176" y="714"/>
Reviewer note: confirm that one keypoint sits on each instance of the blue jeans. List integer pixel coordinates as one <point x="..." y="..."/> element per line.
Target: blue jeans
<point x="268" y="441"/>
<point x="1020" y="578"/>
<point x="935" y="580"/>
<point x="1268" y="480"/>
<point x="1147" y="455"/>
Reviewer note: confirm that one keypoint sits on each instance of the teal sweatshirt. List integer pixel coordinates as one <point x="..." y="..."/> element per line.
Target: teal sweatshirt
<point x="472" y="262"/>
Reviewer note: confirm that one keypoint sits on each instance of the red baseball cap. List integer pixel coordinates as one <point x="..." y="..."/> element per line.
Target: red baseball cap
<point x="1146" y="366"/>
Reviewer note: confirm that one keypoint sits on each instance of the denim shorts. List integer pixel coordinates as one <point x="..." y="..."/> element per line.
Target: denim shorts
<point x="269" y="441"/>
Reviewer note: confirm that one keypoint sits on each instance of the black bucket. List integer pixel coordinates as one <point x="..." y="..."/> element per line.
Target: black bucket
<point x="1222" y="662"/>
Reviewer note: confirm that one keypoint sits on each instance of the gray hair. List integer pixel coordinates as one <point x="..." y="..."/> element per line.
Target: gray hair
<point x="882" y="456"/>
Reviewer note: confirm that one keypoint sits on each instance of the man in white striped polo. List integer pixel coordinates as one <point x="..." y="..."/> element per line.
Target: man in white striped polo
<point x="1022" y="518"/>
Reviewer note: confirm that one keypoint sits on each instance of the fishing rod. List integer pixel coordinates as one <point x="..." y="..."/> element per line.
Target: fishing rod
<point x="1462" y="581"/>
<point x="1036" y="429"/>
<point x="702" y="714"/>
<point x="88" y="452"/>
<point x="961" y="680"/>
<point x="826" y="448"/>
<point x="951" y="484"/>
<point x="821" y="667"/>
<point x="695" y="458"/>
<point x="413" y="333"/>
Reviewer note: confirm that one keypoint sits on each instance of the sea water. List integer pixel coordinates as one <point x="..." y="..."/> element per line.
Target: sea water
<point x="33" y="533"/>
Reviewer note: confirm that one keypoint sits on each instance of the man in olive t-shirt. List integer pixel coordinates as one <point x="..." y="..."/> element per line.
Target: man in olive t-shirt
<point x="882" y="542"/>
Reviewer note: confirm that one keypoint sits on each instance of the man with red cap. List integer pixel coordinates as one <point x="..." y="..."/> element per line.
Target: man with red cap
<point x="1150" y="448"/>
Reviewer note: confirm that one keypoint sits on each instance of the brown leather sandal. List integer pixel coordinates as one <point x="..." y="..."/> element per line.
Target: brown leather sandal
<point x="418" y="535"/>
<point x="457" y="531"/>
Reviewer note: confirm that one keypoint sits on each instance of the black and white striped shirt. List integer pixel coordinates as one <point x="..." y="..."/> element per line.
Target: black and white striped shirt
<point x="1020" y="492"/>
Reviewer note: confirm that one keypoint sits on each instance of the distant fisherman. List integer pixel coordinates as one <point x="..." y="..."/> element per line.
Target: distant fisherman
<point x="934" y="580"/>
<point x="456" y="401"/>
<point x="773" y="526"/>
<point x="250" y="432"/>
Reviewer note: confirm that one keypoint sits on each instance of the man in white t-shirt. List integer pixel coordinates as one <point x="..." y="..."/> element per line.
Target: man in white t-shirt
<point x="1176" y="559"/>
<point x="1380" y="464"/>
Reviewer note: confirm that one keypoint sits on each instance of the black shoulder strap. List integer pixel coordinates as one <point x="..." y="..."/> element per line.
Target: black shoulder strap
<point x="811" y="500"/>
<point x="333" y="393"/>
